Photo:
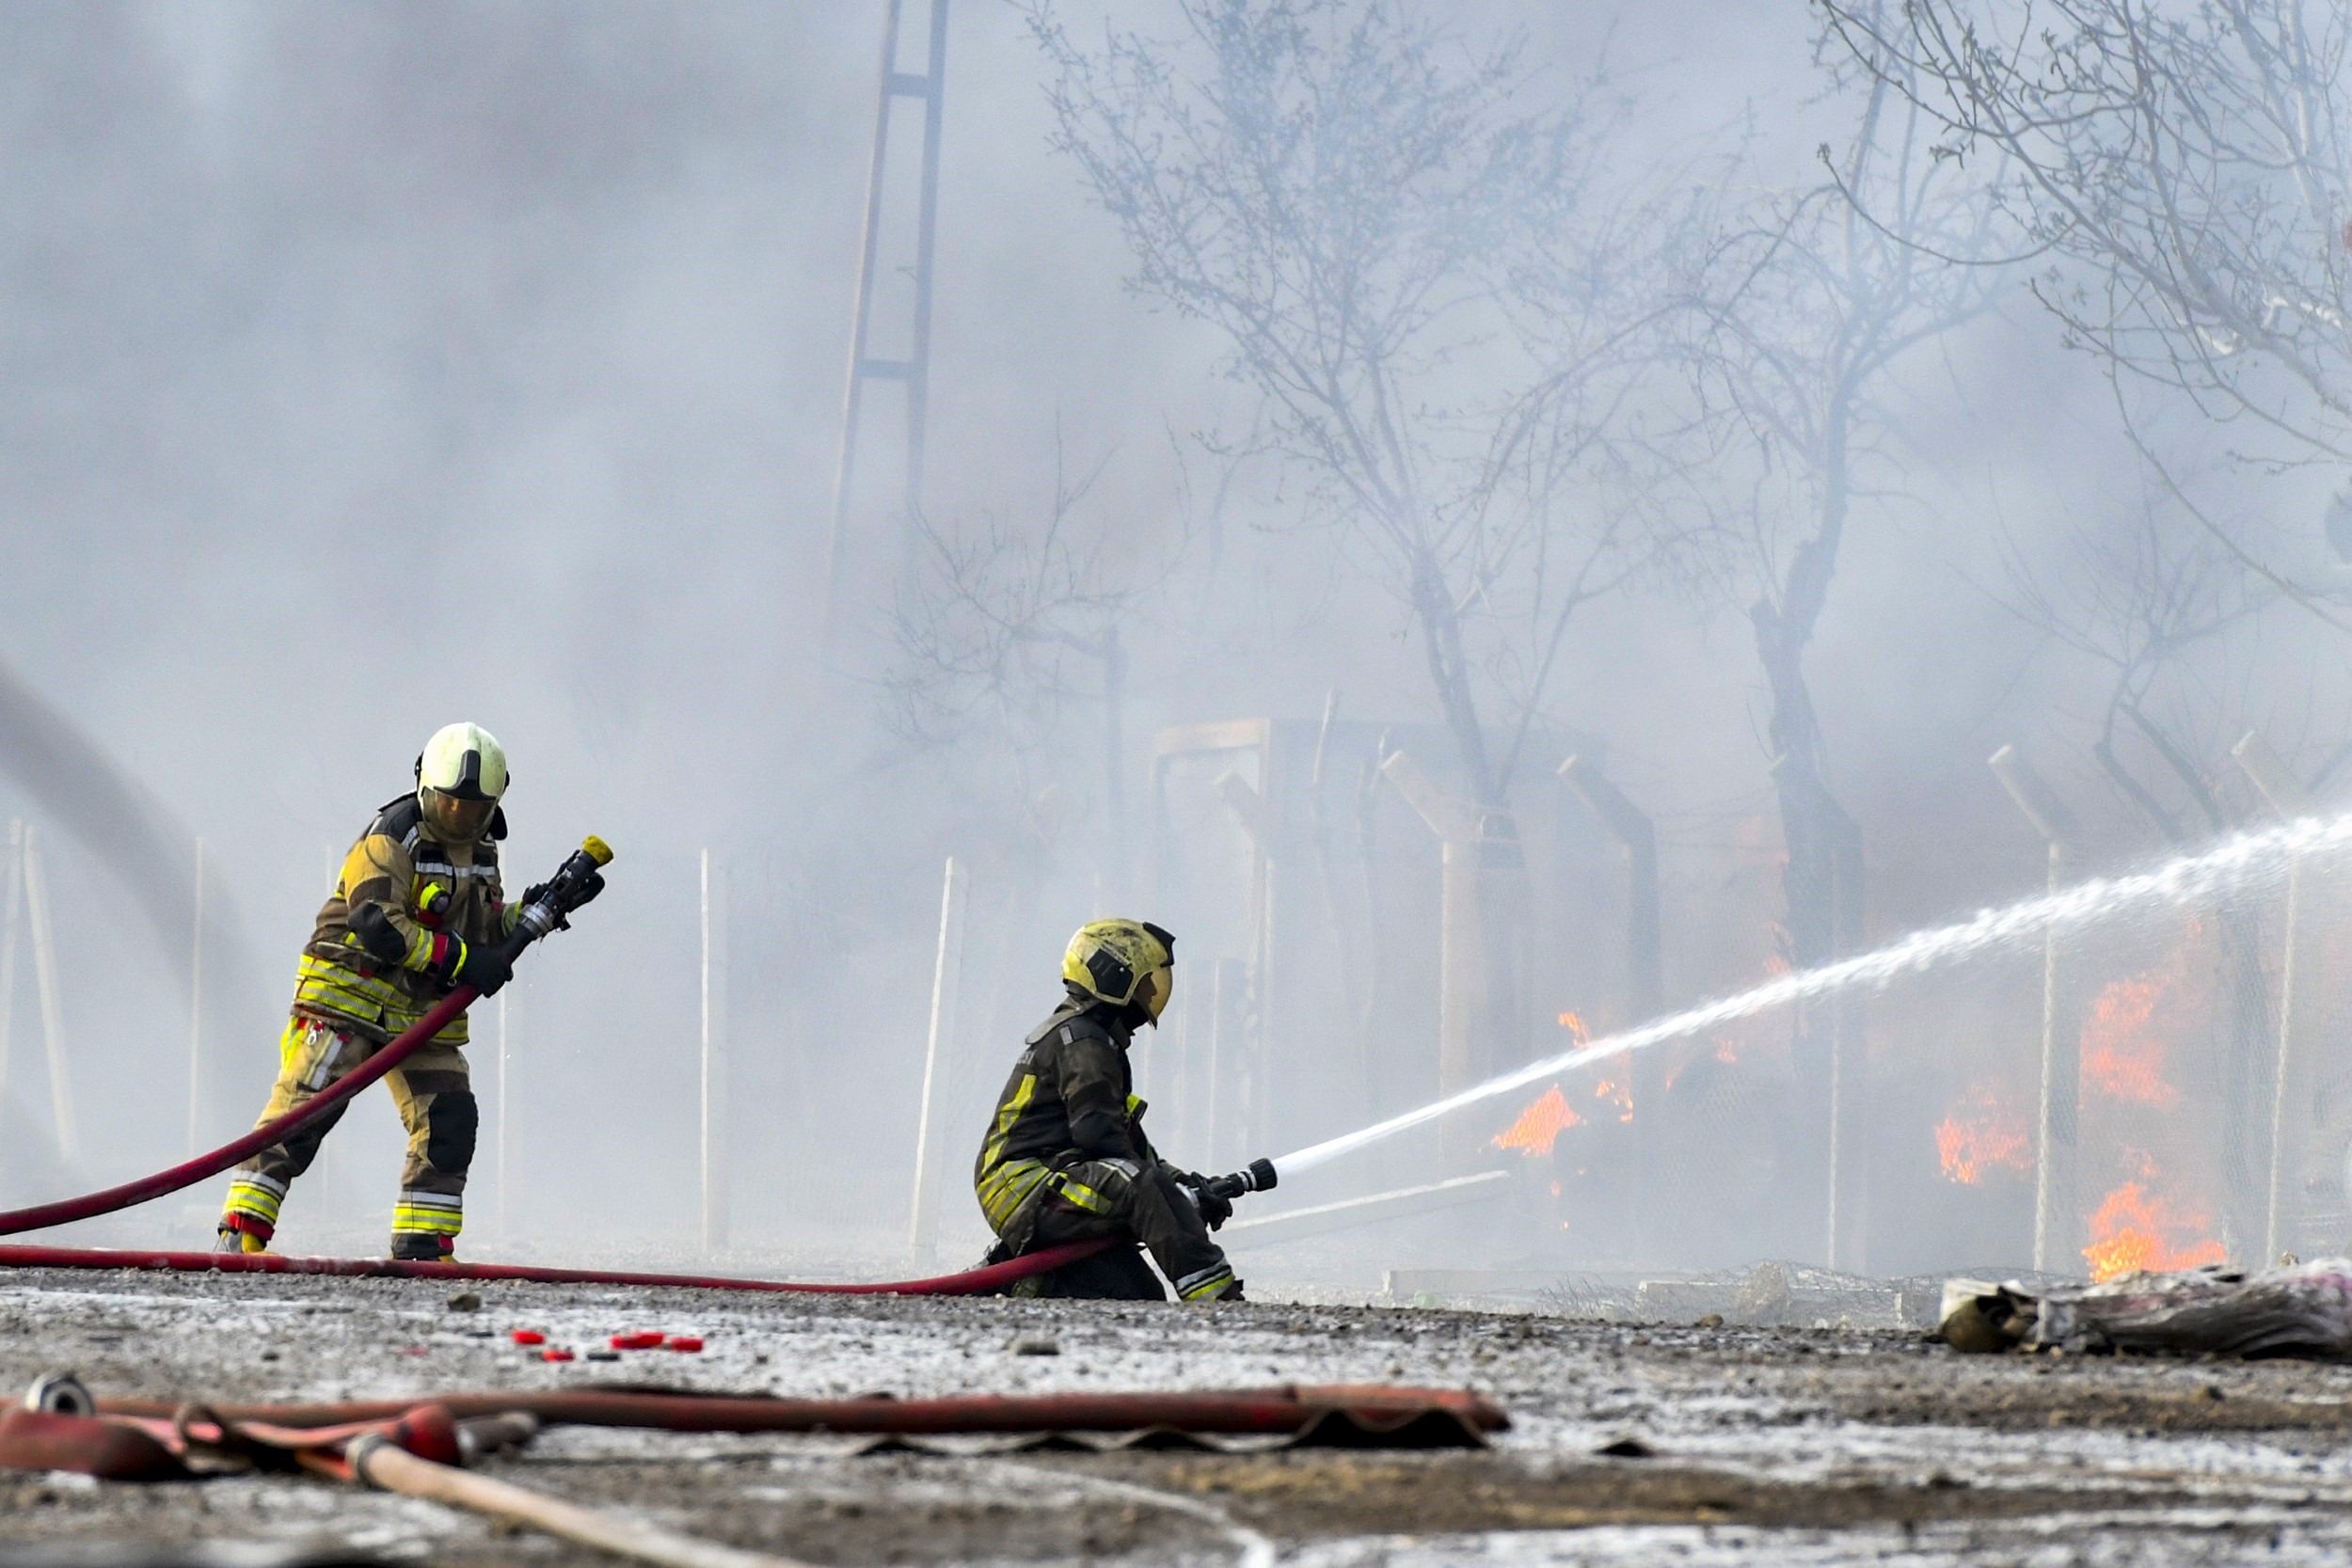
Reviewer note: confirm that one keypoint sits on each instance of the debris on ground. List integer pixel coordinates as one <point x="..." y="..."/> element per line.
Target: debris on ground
<point x="2301" y="1310"/>
<point x="1783" y="1444"/>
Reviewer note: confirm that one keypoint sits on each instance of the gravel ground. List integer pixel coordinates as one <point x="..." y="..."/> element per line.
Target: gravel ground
<point x="1787" y="1445"/>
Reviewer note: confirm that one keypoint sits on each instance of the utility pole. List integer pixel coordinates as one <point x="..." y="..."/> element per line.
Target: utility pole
<point x="914" y="370"/>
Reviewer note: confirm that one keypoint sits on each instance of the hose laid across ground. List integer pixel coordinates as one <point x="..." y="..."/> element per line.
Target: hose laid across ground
<point x="971" y="1282"/>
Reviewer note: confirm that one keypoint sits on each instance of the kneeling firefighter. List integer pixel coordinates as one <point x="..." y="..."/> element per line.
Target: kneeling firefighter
<point x="1066" y="1159"/>
<point x="417" y="910"/>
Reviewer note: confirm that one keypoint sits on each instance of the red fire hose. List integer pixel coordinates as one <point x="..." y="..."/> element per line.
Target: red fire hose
<point x="971" y="1282"/>
<point x="536" y="920"/>
<point x="90" y="1205"/>
<point x="573" y="884"/>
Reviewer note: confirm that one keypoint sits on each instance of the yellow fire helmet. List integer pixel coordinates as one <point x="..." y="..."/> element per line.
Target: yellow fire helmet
<point x="465" y="761"/>
<point x="460" y="775"/>
<point x="1124" y="962"/>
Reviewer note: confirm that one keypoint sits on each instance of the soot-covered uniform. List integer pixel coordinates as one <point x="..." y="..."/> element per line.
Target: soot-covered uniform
<point x="1066" y="1158"/>
<point x="388" y="941"/>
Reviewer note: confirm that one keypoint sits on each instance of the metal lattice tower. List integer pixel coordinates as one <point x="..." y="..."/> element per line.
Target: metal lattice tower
<point x="914" y="370"/>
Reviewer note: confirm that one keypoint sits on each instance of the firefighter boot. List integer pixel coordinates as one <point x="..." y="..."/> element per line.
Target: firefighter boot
<point x="229" y="1238"/>
<point x="416" y="1246"/>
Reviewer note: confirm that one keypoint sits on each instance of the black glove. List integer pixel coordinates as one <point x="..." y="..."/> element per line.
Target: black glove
<point x="1215" y="1210"/>
<point x="485" y="969"/>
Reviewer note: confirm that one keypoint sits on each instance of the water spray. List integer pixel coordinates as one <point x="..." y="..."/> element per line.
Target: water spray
<point x="2188" y="878"/>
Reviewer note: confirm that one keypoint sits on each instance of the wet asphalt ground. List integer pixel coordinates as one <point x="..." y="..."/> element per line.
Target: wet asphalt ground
<point x="1787" y="1445"/>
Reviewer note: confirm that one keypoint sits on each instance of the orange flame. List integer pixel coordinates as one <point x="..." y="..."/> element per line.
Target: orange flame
<point x="1578" y="1029"/>
<point x="1983" y="1134"/>
<point x="2133" y="1230"/>
<point x="1540" y="1125"/>
<point x="2120" y="1056"/>
<point x="1619" y="1092"/>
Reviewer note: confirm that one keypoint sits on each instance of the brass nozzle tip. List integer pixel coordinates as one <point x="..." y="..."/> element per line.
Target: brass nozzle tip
<point x="598" y="850"/>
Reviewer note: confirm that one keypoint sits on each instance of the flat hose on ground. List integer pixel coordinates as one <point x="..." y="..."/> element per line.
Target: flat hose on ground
<point x="970" y="1282"/>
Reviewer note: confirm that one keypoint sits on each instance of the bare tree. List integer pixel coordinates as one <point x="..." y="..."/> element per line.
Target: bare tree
<point x="1006" y="628"/>
<point x="2158" y="612"/>
<point x="1358" y="204"/>
<point x="2188" y="171"/>
<point x="1811" y="301"/>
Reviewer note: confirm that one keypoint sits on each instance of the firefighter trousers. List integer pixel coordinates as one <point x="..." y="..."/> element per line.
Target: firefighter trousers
<point x="437" y="1105"/>
<point x="1118" y="1198"/>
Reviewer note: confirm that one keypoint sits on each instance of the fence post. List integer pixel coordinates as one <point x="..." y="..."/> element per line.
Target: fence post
<point x="45" y="978"/>
<point x="2290" y="800"/>
<point x="2055" y="1154"/>
<point x="714" y="1054"/>
<point x="506" y="1233"/>
<point x="195" y="1010"/>
<point x="11" y="902"/>
<point x="938" y="1064"/>
<point x="937" y="1061"/>
<point x="1644" y="980"/>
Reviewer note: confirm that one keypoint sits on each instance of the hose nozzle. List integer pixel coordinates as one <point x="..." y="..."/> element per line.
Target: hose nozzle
<point x="563" y="893"/>
<point x="1257" y="1177"/>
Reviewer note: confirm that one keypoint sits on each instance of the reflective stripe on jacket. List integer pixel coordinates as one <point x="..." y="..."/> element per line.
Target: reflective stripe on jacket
<point x="1069" y="1098"/>
<point x="431" y="895"/>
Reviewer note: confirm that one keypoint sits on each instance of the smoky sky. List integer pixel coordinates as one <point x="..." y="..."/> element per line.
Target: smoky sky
<point x="366" y="368"/>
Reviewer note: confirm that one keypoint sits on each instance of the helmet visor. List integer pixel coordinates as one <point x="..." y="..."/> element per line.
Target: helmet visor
<point x="1154" y="992"/>
<point x="452" y="819"/>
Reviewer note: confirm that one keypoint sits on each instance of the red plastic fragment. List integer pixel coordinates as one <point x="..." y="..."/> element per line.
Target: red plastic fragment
<point x="530" y="1337"/>
<point x="555" y="1352"/>
<point x="691" y="1344"/>
<point x="635" y="1342"/>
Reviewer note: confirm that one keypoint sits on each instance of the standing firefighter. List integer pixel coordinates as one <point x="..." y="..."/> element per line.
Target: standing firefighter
<point x="1066" y="1159"/>
<point x="416" y="911"/>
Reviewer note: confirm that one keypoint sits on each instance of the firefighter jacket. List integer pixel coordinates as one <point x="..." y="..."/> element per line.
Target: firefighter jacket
<point x="388" y="938"/>
<point x="1071" y="1097"/>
